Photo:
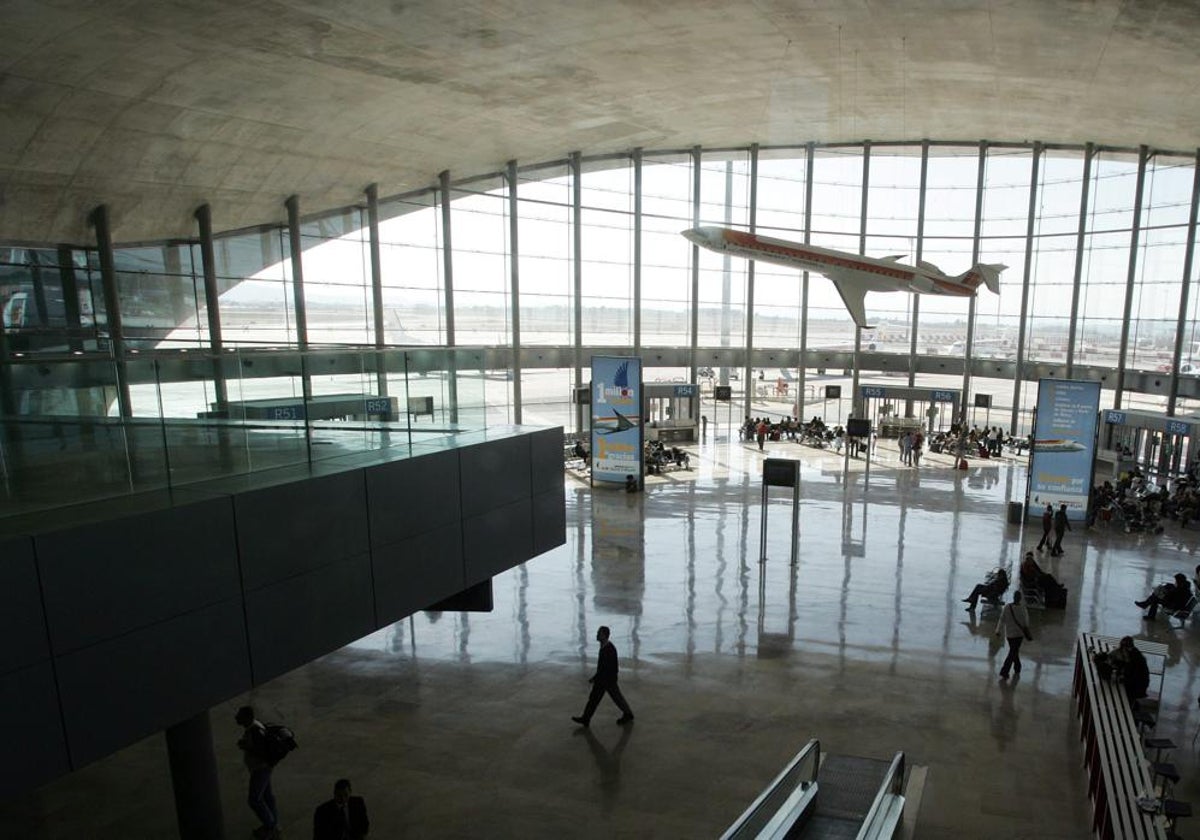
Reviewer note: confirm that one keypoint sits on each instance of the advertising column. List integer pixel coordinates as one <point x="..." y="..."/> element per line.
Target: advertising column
<point x="1064" y="447"/>
<point x="616" y="418"/>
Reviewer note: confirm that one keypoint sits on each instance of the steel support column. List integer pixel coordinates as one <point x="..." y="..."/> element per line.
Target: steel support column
<point x="637" y="252"/>
<point x="1089" y="153"/>
<point x="695" y="302"/>
<point x="514" y="275"/>
<point x="194" y="777"/>
<point x="1034" y="174"/>
<point x="575" y="164"/>
<point x="448" y="294"/>
<point x="749" y="275"/>
<point x="112" y="306"/>
<point x="1185" y="292"/>
<point x="381" y="380"/>
<point x="212" y="306"/>
<point x="974" y="300"/>
<point x="70" y="291"/>
<point x="1135" y="233"/>
<point x="809" y="155"/>
<point x="856" y="403"/>
<point x="916" y="299"/>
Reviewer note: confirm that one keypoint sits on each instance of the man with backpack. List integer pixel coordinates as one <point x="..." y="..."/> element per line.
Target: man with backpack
<point x="263" y="747"/>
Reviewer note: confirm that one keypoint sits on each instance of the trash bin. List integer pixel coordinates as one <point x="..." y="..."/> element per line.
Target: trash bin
<point x="1015" y="509"/>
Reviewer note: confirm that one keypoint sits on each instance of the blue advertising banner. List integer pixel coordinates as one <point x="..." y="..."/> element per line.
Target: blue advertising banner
<point x="616" y="417"/>
<point x="1064" y="446"/>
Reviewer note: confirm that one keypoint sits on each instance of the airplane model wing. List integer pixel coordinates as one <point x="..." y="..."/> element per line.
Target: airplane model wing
<point x="854" y="296"/>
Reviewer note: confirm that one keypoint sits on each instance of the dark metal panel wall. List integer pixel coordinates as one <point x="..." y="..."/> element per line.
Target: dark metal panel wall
<point x="125" y="688"/>
<point x="295" y="620"/>
<point x="156" y="610"/>
<point x="22" y="620"/>
<point x="293" y="528"/>
<point x="114" y="577"/>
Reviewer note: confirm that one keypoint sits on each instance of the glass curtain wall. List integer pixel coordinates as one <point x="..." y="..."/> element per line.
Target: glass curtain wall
<point x="546" y="255"/>
<point x="337" y="279"/>
<point x="836" y="223"/>
<point x="410" y="256"/>
<point x="724" y="202"/>
<point x="666" y="256"/>
<point x="479" y="232"/>
<point x="893" y="202"/>
<point x="1105" y="261"/>
<point x="606" y="252"/>
<point x="778" y="290"/>
<point x="52" y="299"/>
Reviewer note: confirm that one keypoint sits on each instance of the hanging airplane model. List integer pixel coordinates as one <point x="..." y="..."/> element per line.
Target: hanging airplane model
<point x="852" y="274"/>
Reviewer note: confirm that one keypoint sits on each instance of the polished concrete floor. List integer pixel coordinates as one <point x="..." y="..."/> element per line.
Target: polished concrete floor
<point x="458" y="725"/>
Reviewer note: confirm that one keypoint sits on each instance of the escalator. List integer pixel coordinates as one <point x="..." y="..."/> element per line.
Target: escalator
<point x="834" y="796"/>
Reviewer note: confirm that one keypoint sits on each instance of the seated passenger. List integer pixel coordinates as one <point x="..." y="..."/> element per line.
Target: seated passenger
<point x="993" y="586"/>
<point x="580" y="452"/>
<point x="1054" y="594"/>
<point x="1173" y="596"/>
<point x="1131" y="669"/>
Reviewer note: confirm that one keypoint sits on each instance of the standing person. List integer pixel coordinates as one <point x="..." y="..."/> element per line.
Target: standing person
<point x="760" y="433"/>
<point x="918" y="444"/>
<point x="605" y="680"/>
<point x="1014" y="626"/>
<point x="253" y="744"/>
<point x="1061" y="526"/>
<point x="1047" y="526"/>
<point x="342" y="818"/>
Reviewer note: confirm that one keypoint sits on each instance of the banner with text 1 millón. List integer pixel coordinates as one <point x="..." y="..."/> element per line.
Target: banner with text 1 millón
<point x="1064" y="446"/>
<point x="616" y="417"/>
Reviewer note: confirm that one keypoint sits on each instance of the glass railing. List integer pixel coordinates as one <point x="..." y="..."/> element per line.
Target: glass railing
<point x="82" y="427"/>
<point x="784" y="800"/>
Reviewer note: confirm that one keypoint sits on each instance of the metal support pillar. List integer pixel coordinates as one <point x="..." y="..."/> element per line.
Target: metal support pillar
<point x="974" y="300"/>
<point x="801" y="380"/>
<point x="514" y="254"/>
<point x="750" y="283"/>
<point x="855" y="399"/>
<point x="295" y="247"/>
<point x="1185" y="293"/>
<point x="448" y="289"/>
<point x="915" y="300"/>
<point x="575" y="165"/>
<point x="695" y="295"/>
<point x="381" y="380"/>
<point x="112" y="306"/>
<point x="1131" y="278"/>
<point x="1034" y="174"/>
<point x="208" y="266"/>
<point x="194" y="777"/>
<point x="637" y="252"/>
<point x="1089" y="154"/>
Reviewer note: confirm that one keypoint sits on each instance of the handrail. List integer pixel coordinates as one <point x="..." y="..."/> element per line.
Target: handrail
<point x="751" y="822"/>
<point x="893" y="785"/>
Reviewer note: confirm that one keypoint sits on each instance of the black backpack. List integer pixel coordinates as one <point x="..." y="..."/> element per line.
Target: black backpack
<point x="278" y="741"/>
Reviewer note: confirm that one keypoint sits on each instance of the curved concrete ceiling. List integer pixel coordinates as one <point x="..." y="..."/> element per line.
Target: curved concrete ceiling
<point x="156" y="107"/>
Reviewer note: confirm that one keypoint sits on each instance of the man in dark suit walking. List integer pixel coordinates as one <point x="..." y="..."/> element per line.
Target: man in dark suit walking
<point x="342" y="818"/>
<point x="1061" y="526"/>
<point x="1047" y="527"/>
<point x="605" y="680"/>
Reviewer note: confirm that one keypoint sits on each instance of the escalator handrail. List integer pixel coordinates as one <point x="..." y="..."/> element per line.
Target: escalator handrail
<point x="812" y="746"/>
<point x="892" y="785"/>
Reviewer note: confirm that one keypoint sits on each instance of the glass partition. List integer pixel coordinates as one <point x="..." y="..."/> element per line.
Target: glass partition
<point x="62" y="441"/>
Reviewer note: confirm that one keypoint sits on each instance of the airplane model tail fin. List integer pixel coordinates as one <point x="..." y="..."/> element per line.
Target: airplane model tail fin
<point x="988" y="273"/>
